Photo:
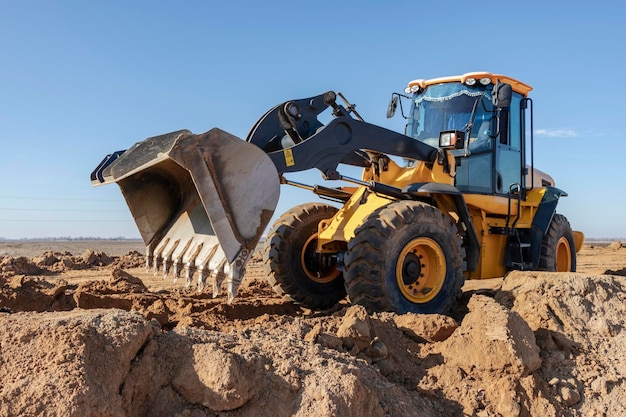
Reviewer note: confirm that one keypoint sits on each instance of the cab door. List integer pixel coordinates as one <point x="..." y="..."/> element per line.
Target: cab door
<point x="509" y="155"/>
<point x="496" y="159"/>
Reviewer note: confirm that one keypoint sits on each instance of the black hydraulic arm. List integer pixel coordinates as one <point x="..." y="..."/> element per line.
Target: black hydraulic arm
<point x="296" y="140"/>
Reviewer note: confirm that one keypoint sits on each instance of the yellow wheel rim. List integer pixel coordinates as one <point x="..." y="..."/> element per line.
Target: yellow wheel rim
<point x="312" y="266"/>
<point x="563" y="255"/>
<point x="421" y="270"/>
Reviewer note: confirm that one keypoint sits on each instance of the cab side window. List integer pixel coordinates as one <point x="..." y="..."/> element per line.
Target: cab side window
<point x="508" y="149"/>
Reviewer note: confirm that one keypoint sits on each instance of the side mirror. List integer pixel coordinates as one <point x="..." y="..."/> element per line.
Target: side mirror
<point x="393" y="105"/>
<point x="502" y="94"/>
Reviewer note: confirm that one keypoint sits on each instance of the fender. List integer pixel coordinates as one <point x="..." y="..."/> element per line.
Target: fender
<point x="465" y="225"/>
<point x="543" y="219"/>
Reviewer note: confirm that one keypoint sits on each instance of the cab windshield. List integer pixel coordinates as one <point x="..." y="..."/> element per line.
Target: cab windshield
<point x="452" y="106"/>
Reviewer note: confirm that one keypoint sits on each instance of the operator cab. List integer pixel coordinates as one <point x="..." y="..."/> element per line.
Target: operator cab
<point x="492" y="158"/>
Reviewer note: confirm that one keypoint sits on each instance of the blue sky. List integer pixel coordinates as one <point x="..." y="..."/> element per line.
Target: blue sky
<point x="81" y="79"/>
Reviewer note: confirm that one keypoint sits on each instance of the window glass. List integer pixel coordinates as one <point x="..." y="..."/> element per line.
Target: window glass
<point x="474" y="174"/>
<point x="515" y="122"/>
<point x="448" y="106"/>
<point x="508" y="154"/>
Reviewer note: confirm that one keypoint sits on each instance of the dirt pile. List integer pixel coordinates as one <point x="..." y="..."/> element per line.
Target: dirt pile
<point x="543" y="344"/>
<point x="53" y="262"/>
<point x="580" y="323"/>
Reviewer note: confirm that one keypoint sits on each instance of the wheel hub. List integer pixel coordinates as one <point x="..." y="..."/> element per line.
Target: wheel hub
<point x="318" y="267"/>
<point x="563" y="255"/>
<point x="411" y="269"/>
<point x="421" y="270"/>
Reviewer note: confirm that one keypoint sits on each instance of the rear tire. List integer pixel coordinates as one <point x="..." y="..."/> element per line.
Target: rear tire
<point x="558" y="251"/>
<point x="292" y="265"/>
<point x="405" y="257"/>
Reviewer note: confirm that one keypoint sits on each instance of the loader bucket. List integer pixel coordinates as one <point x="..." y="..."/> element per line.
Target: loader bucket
<point x="200" y="202"/>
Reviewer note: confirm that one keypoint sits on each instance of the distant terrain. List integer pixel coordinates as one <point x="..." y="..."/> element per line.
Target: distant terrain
<point x="30" y="248"/>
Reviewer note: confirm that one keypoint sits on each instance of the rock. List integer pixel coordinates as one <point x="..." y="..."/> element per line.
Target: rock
<point x="316" y="335"/>
<point x="16" y="282"/>
<point x="599" y="385"/>
<point x="92" y="258"/>
<point x="312" y="335"/>
<point x="570" y="395"/>
<point x="432" y="327"/>
<point x="158" y="311"/>
<point x="330" y="341"/>
<point x="222" y="386"/>
<point x="355" y="329"/>
<point x="492" y="338"/>
<point x="377" y="350"/>
<point x="124" y="282"/>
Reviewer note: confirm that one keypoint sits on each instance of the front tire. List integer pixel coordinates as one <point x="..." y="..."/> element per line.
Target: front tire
<point x="558" y="250"/>
<point x="291" y="262"/>
<point x="405" y="257"/>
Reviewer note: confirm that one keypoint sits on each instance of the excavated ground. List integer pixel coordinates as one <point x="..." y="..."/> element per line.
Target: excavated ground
<point x="96" y="335"/>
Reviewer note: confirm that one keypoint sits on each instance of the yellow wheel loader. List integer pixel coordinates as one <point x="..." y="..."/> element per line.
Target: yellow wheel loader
<point x="454" y="197"/>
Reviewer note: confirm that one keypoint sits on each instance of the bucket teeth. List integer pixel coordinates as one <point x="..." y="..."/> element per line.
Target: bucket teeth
<point x="209" y="264"/>
<point x="167" y="264"/>
<point x="217" y="280"/>
<point x="158" y="261"/>
<point x="177" y="269"/>
<point x="149" y="258"/>
<point x="184" y="251"/>
<point x="202" y="276"/>
<point x="190" y="265"/>
<point x="168" y="260"/>
<point x="236" y="272"/>
<point x="189" y="271"/>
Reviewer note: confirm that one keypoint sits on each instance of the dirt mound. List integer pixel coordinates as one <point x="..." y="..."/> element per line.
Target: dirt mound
<point x="615" y="246"/>
<point x="51" y="262"/>
<point x="21" y="293"/>
<point x="132" y="259"/>
<point x="543" y="344"/>
<point x="20" y="265"/>
<point x="579" y="322"/>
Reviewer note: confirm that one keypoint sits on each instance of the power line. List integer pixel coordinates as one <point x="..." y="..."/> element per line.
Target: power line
<point x="91" y="200"/>
<point x="65" y="221"/>
<point x="62" y="210"/>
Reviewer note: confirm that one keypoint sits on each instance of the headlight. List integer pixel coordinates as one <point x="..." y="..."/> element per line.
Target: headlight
<point x="446" y="139"/>
<point x="470" y="81"/>
<point x="485" y="81"/>
<point x="451" y="139"/>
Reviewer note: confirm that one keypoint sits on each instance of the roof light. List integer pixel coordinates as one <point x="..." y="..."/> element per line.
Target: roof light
<point x="485" y="81"/>
<point x="412" y="89"/>
<point x="470" y="81"/>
